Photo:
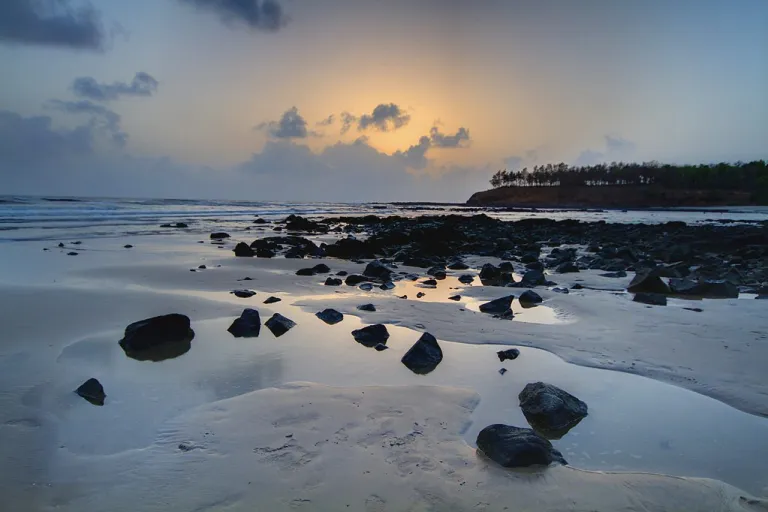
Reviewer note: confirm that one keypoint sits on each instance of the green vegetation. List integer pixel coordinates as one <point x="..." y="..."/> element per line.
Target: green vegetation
<point x="751" y="177"/>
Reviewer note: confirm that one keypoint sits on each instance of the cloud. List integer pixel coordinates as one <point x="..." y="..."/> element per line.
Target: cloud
<point x="56" y="23"/>
<point x="383" y="118"/>
<point x="30" y="140"/>
<point x="347" y="120"/>
<point x="143" y="84"/>
<point x="616" y="148"/>
<point x="290" y="126"/>
<point x="441" y="140"/>
<point x="255" y="14"/>
<point x="101" y="118"/>
<point x="327" y="121"/>
<point x="513" y="162"/>
<point x="415" y="156"/>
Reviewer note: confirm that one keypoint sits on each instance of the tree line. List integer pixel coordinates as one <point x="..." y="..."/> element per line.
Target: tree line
<point x="751" y="176"/>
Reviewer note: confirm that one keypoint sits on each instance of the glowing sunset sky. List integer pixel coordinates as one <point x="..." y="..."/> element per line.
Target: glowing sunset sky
<point x="233" y="98"/>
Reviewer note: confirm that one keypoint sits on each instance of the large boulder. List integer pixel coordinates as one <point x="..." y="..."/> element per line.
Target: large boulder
<point x="377" y="270"/>
<point x="243" y="250"/>
<point x="248" y="325"/>
<point x="532" y="278"/>
<point x="158" y="338"/>
<point x="424" y="355"/>
<point x="550" y="410"/>
<point x="649" y="282"/>
<point x="653" y="299"/>
<point x="497" y="306"/>
<point x="514" y="447"/>
<point x="371" y="335"/>
<point x="330" y="316"/>
<point x="530" y="297"/>
<point x="279" y="325"/>
<point x="93" y="391"/>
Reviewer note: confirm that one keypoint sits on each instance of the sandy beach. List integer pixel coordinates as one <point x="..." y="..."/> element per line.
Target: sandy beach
<point x="314" y="421"/>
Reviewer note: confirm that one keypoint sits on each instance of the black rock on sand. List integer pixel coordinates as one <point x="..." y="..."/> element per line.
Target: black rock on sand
<point x="550" y="410"/>
<point x="498" y="306"/>
<point x="514" y="447"/>
<point x="424" y="356"/>
<point x="510" y="353"/>
<point x="330" y="316"/>
<point x="247" y="326"/>
<point x="158" y="338"/>
<point x="653" y="299"/>
<point x="279" y="325"/>
<point x="93" y="391"/>
<point x="371" y="335"/>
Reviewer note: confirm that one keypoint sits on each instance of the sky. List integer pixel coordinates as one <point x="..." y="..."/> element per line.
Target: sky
<point x="360" y="100"/>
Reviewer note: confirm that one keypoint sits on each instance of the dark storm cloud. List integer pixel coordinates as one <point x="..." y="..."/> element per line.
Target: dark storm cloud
<point x="441" y="140"/>
<point x="50" y="24"/>
<point x="328" y="121"/>
<point x="383" y="118"/>
<point x="143" y="84"/>
<point x="100" y="117"/>
<point x="256" y="14"/>
<point x="290" y="126"/>
<point x="32" y="139"/>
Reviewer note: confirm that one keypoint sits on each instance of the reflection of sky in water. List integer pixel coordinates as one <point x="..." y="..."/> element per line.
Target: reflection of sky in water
<point x="698" y="436"/>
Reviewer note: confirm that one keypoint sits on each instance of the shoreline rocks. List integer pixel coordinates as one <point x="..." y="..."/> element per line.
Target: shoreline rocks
<point x="550" y="410"/>
<point x="158" y="338"/>
<point x="515" y="447"/>
<point x="248" y="325"/>
<point x="93" y="391"/>
<point x="424" y="356"/>
<point x="279" y="325"/>
<point x="371" y="335"/>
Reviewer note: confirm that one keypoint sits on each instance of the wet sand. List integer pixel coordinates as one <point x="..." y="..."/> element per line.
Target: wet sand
<point x="366" y="432"/>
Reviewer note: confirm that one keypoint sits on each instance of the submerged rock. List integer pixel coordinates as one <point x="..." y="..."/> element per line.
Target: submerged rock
<point x="247" y="326"/>
<point x="498" y="306"/>
<point x="424" y="356"/>
<point x="158" y="338"/>
<point x="243" y="294"/>
<point x="371" y="335"/>
<point x="654" y="299"/>
<point x="272" y="300"/>
<point x="330" y="316"/>
<point x="514" y="447"/>
<point x="93" y="391"/>
<point x="550" y="410"/>
<point x="366" y="307"/>
<point x="647" y="282"/>
<point x="243" y="250"/>
<point x="333" y="281"/>
<point x="530" y="297"/>
<point x="510" y="353"/>
<point x="279" y="325"/>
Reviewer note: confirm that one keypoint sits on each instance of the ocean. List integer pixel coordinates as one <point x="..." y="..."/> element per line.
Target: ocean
<point x="63" y="218"/>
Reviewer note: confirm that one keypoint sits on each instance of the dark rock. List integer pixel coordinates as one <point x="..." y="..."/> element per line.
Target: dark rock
<point x="366" y="307"/>
<point x="429" y="282"/>
<point x="342" y="273"/>
<point x="514" y="447"/>
<point x="530" y="257"/>
<point x="243" y="250"/>
<point x="72" y="253"/>
<point x="389" y="285"/>
<point x="561" y="290"/>
<point x="695" y="310"/>
<point x="489" y="272"/>
<point x="506" y="266"/>
<point x="530" y="297"/>
<point x="333" y="281"/>
<point x="246" y="278"/>
<point x="497" y="306"/>
<point x="502" y="371"/>
<point x="654" y="299"/>
<point x="371" y="335"/>
<point x="536" y="265"/>
<point x="418" y="262"/>
<point x="420" y="295"/>
<point x="355" y="279"/>
<point x="466" y="279"/>
<point x="321" y="268"/>
<point x="567" y="268"/>
<point x="458" y="265"/>
<point x="330" y="316"/>
<point x="61" y="244"/>
<point x="617" y="274"/>
<point x="265" y="253"/>
<point x="279" y="325"/>
<point x="550" y="410"/>
<point x="436" y="270"/>
<point x="510" y="353"/>
<point x="376" y="269"/>
<point x="649" y="282"/>
<point x="762" y="297"/>
<point x="349" y="248"/>
<point x="366" y="287"/>
<point x="243" y="294"/>
<point x="127" y="246"/>
<point x="577" y="286"/>
<point x="93" y="391"/>
<point x="219" y="235"/>
<point x="507" y="315"/>
<point x="305" y="272"/>
<point x="380" y="347"/>
<point x="532" y="278"/>
<point x="272" y="300"/>
<point x="259" y="220"/>
<point x="158" y="338"/>
<point x="297" y="223"/>
<point x="713" y="289"/>
<point x="455" y="297"/>
<point x="202" y="267"/>
<point x="424" y="356"/>
<point x="247" y="326"/>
